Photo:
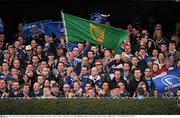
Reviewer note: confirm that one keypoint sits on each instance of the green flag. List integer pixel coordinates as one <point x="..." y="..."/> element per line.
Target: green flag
<point x="79" y="29"/>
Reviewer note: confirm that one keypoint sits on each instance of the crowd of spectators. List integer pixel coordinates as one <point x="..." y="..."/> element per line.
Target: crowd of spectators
<point x="45" y="67"/>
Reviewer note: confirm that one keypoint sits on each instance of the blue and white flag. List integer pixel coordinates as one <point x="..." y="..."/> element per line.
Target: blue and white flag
<point x="1" y="25"/>
<point x="34" y="28"/>
<point x="99" y="18"/>
<point x="54" y="28"/>
<point x="168" y="80"/>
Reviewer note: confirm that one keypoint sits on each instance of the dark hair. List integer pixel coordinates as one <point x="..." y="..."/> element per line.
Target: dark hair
<point x="140" y="91"/>
<point x="59" y="63"/>
<point x="108" y="50"/>
<point x="29" y="64"/>
<point x="156" y="49"/>
<point x="35" y="56"/>
<point x="26" y="84"/>
<point x="142" y="48"/>
<point x="117" y="70"/>
<point x="85" y="67"/>
<point x="4" y="62"/>
<point x="172" y="42"/>
<point x="163" y="44"/>
<point x="162" y="53"/>
<point x="137" y="69"/>
<point x="126" y="63"/>
<point x="91" y="51"/>
<point x="134" y="56"/>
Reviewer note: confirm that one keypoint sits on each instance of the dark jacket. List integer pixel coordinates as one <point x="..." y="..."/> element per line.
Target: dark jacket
<point x="133" y="84"/>
<point x="11" y="94"/>
<point x="113" y="83"/>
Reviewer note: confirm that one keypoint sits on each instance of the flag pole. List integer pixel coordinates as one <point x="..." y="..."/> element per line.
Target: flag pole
<point x="64" y="25"/>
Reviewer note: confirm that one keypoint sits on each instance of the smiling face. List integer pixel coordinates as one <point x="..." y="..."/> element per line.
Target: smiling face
<point x="91" y="93"/>
<point x="105" y="86"/>
<point x="15" y="86"/>
<point x="5" y="67"/>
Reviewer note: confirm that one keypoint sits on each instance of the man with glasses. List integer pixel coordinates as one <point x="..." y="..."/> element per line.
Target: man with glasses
<point x="100" y="67"/>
